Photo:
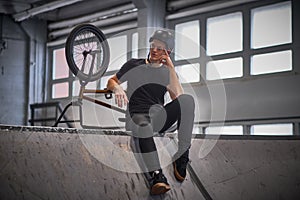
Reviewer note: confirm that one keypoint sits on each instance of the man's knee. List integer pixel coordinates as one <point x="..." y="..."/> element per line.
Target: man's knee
<point x="141" y="126"/>
<point x="186" y="100"/>
<point x="140" y="120"/>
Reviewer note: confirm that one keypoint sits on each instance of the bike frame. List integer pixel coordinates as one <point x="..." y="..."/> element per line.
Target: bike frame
<point x="83" y="91"/>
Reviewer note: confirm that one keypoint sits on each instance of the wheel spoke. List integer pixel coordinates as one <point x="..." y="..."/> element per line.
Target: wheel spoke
<point x="87" y="43"/>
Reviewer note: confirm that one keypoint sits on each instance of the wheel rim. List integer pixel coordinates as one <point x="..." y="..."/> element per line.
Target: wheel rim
<point x="88" y="52"/>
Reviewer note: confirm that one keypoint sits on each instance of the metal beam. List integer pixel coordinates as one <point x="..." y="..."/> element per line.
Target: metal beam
<point x="174" y="5"/>
<point x="88" y="18"/>
<point x="112" y="29"/>
<point x="100" y="23"/>
<point x="11" y="7"/>
<point x="41" y="9"/>
<point x="201" y="9"/>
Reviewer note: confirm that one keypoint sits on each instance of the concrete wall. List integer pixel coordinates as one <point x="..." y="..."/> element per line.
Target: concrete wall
<point x="22" y="68"/>
<point x="267" y="97"/>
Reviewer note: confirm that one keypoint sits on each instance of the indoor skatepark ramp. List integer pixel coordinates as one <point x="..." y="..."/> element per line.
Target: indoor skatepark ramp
<point x="58" y="163"/>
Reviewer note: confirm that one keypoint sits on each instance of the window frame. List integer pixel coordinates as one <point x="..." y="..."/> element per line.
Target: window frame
<point x="246" y="53"/>
<point x="53" y="81"/>
<point x="71" y="79"/>
<point x="129" y="52"/>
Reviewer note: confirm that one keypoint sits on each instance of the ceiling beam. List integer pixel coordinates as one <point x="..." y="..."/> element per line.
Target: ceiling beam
<point x="175" y="5"/>
<point x="89" y="18"/>
<point x="11" y="7"/>
<point x="101" y="23"/>
<point x="215" y="5"/>
<point x="41" y="9"/>
<point x="108" y="30"/>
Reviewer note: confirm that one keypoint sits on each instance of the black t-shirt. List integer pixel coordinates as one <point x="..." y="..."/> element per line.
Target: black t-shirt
<point x="146" y="85"/>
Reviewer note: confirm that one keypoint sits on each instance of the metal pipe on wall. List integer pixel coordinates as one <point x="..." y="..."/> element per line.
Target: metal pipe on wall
<point x="207" y="8"/>
<point x="108" y="30"/>
<point x="92" y="17"/>
<point x="105" y="22"/>
<point x="174" y="5"/>
<point x="41" y="9"/>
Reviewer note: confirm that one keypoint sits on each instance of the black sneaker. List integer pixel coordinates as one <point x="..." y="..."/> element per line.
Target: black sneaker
<point x="180" y="166"/>
<point x="159" y="184"/>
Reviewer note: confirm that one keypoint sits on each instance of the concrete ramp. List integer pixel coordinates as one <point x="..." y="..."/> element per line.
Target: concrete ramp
<point x="250" y="167"/>
<point x="57" y="163"/>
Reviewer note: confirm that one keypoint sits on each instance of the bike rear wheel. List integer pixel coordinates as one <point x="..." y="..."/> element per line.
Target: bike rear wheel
<point x="87" y="52"/>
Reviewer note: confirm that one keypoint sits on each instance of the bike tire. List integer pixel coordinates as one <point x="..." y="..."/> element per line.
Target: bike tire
<point x="81" y="41"/>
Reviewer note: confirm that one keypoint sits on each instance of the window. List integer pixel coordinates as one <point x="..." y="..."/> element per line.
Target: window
<point x="272" y="129"/>
<point x="134" y="45"/>
<point x="62" y="78"/>
<point x="271" y="62"/>
<point x="118" y="52"/>
<point x="60" y="73"/>
<point x="266" y="48"/>
<point x="60" y="90"/>
<point x="224" y="130"/>
<point x="76" y="87"/>
<point x="103" y="81"/>
<point x="187" y="46"/>
<point x="188" y="73"/>
<point x="187" y="40"/>
<point x="64" y="84"/>
<point x="197" y="129"/>
<point x="271" y="25"/>
<point x="224" y="34"/>
<point x="60" y="66"/>
<point x="221" y="69"/>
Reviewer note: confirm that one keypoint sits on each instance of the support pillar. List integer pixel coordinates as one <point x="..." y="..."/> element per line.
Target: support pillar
<point x="151" y="16"/>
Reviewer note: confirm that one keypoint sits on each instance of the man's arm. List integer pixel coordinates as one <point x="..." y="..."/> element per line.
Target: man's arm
<point x="174" y="88"/>
<point x="113" y="84"/>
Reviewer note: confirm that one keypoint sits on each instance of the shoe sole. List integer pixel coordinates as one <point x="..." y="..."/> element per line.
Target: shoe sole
<point x="176" y="174"/>
<point x="159" y="188"/>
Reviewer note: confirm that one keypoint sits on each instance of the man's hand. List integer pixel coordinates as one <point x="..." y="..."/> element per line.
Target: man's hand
<point x="120" y="96"/>
<point x="166" y="60"/>
<point x="113" y="84"/>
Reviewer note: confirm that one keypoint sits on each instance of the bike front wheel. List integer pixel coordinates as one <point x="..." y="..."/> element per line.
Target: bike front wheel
<point x="87" y="52"/>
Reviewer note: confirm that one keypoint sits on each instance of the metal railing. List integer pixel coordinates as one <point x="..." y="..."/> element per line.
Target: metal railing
<point x="42" y="106"/>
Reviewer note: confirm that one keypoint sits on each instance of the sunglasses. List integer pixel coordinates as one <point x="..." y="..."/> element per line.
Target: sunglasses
<point x="158" y="48"/>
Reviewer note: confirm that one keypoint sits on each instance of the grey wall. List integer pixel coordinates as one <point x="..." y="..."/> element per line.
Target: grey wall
<point x="22" y="68"/>
<point x="265" y="97"/>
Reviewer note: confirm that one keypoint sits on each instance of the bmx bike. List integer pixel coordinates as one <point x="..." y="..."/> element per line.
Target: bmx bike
<point x="87" y="54"/>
